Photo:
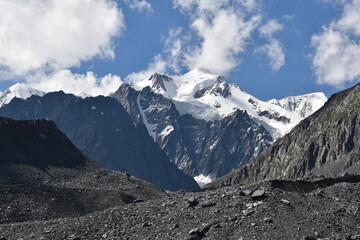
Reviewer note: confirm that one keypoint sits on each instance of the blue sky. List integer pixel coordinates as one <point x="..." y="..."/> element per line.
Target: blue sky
<point x="314" y="43"/>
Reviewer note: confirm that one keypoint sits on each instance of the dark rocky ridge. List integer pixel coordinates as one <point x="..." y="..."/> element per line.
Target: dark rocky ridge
<point x="102" y="129"/>
<point x="196" y="146"/>
<point x="44" y="176"/>
<point x="331" y="212"/>
<point x="326" y="143"/>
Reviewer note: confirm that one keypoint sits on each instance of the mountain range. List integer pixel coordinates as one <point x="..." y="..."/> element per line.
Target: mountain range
<point x="102" y="129"/>
<point x="51" y="190"/>
<point x="44" y="176"/>
<point x="205" y="126"/>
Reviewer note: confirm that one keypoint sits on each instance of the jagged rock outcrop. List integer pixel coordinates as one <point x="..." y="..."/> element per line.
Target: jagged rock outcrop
<point x="326" y="143"/>
<point x="102" y="129"/>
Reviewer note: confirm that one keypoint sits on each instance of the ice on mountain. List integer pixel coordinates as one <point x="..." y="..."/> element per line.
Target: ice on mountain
<point x="19" y="90"/>
<point x="203" y="180"/>
<point x="167" y="131"/>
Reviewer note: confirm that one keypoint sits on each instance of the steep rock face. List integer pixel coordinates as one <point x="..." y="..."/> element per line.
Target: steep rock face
<point x="197" y="146"/>
<point x="38" y="143"/>
<point x="102" y="129"/>
<point x="325" y="143"/>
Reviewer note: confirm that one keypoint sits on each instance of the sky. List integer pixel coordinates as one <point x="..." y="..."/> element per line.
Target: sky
<point x="270" y="48"/>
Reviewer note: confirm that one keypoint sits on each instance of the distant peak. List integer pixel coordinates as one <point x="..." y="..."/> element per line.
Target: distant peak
<point x="19" y="90"/>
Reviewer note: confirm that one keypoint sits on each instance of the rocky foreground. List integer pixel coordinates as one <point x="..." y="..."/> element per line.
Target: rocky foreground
<point x="324" y="209"/>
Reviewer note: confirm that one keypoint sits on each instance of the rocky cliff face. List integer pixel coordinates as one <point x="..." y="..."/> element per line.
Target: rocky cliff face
<point x="325" y="143"/>
<point x="102" y="129"/>
<point x="38" y="143"/>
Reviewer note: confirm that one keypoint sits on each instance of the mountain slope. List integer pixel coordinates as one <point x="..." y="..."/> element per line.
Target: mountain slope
<point x="327" y="142"/>
<point x="43" y="176"/>
<point x="18" y="90"/>
<point x="102" y="129"/>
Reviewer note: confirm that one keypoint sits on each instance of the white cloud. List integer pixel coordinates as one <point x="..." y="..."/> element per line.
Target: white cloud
<point x="337" y="50"/>
<point x="274" y="49"/>
<point x="173" y="49"/>
<point x="220" y="31"/>
<point x="217" y="35"/>
<point x="223" y="38"/>
<point x="158" y="65"/>
<point x="53" y="34"/>
<point x="78" y="84"/>
<point x="275" y="52"/>
<point x="270" y="28"/>
<point x="213" y="6"/>
<point x="140" y="5"/>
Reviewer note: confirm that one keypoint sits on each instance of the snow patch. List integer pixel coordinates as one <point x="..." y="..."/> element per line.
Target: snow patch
<point x="303" y="105"/>
<point x="151" y="128"/>
<point x="203" y="180"/>
<point x="167" y="131"/>
<point x="19" y="90"/>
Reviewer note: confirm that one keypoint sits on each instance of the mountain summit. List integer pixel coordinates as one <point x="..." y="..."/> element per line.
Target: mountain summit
<point x="209" y="97"/>
<point x="19" y="90"/>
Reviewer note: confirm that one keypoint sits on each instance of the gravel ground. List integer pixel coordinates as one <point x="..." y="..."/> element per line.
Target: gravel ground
<point x="261" y="211"/>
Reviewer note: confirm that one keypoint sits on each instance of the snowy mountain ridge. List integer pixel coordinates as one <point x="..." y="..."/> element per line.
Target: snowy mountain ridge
<point x="303" y="105"/>
<point x="19" y="90"/>
<point x="209" y="97"/>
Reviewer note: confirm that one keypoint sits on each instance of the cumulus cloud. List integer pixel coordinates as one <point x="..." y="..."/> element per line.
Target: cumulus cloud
<point x="270" y="28"/>
<point x="140" y="5"/>
<point x="337" y="50"/>
<point x="54" y="35"/>
<point x="221" y="28"/>
<point x="158" y="65"/>
<point x="78" y="84"/>
<point x="275" y="52"/>
<point x="173" y="49"/>
<point x="217" y="35"/>
<point x="223" y="38"/>
<point x="274" y="49"/>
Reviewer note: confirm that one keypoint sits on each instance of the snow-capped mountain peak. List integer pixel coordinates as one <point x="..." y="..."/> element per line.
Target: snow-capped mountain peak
<point x="303" y="105"/>
<point x="19" y="90"/>
<point x="209" y="97"/>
